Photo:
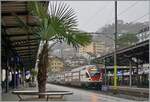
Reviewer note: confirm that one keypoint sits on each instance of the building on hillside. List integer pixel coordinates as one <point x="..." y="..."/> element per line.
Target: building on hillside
<point x="100" y="48"/>
<point x="56" y="64"/>
<point x="96" y="48"/>
<point x="143" y="34"/>
<point x="63" y="50"/>
<point x="74" y="62"/>
<point x="87" y="49"/>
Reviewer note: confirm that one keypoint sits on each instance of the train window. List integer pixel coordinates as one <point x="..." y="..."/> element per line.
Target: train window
<point x="87" y="75"/>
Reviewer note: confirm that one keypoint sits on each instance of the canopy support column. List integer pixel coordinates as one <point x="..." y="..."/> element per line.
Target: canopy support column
<point x="130" y="73"/>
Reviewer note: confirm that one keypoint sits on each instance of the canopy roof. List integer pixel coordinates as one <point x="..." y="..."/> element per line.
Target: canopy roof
<point x="23" y="43"/>
<point x="139" y="50"/>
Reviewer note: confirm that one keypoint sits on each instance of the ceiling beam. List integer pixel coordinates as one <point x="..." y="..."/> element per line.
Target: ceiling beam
<point x="26" y="49"/>
<point x="16" y="26"/>
<point x="15" y="40"/>
<point x="25" y="13"/>
<point x="18" y="35"/>
<point x="25" y="40"/>
<point x="28" y="54"/>
<point x="26" y="45"/>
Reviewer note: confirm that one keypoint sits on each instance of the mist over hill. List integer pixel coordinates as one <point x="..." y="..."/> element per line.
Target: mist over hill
<point x="123" y="27"/>
<point x="64" y="50"/>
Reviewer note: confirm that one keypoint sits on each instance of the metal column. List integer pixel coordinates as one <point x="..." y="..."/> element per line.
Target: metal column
<point x="115" y="45"/>
<point x="130" y="74"/>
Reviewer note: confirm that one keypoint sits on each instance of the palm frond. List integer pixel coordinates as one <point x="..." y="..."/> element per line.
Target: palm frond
<point x="78" y="38"/>
<point x="63" y="24"/>
<point x="63" y="13"/>
<point x="38" y="9"/>
<point x="57" y="22"/>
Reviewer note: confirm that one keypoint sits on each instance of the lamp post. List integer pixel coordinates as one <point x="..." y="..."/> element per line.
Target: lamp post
<point x="115" y="49"/>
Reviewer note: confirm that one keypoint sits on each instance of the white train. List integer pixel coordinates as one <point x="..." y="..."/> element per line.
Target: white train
<point x="85" y="76"/>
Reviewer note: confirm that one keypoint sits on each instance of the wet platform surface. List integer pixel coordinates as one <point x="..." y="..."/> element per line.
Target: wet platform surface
<point x="79" y="95"/>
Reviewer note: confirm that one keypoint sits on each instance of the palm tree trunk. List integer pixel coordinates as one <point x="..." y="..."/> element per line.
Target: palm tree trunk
<point x="42" y="69"/>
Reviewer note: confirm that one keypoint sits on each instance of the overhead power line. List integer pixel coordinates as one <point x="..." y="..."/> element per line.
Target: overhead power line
<point x="95" y="14"/>
<point x="124" y="11"/>
<point x="140" y="17"/>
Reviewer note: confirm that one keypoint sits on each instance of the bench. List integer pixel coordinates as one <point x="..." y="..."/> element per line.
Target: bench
<point x="47" y="93"/>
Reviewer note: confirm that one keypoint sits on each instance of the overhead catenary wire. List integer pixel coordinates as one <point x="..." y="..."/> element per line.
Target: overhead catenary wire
<point x="105" y="34"/>
<point x="99" y="11"/>
<point x="139" y="18"/>
<point x="121" y="13"/>
<point x="124" y="11"/>
<point x="134" y="21"/>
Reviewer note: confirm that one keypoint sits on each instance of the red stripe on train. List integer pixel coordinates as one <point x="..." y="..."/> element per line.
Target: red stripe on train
<point x="96" y="78"/>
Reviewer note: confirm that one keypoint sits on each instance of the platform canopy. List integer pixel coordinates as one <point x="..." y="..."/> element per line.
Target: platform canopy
<point x="23" y="43"/>
<point x="138" y="51"/>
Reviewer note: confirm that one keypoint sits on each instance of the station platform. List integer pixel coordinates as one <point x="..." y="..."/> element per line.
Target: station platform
<point x="140" y="92"/>
<point x="79" y="95"/>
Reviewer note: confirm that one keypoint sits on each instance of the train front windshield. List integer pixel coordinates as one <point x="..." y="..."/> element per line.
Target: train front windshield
<point x="93" y="71"/>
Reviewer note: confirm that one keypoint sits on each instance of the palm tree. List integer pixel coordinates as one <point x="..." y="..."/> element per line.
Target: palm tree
<point x="57" y="23"/>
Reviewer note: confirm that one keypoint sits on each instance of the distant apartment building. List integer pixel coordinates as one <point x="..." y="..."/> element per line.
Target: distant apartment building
<point x="75" y="62"/>
<point x="96" y="48"/>
<point x="56" y="64"/>
<point x="87" y="49"/>
<point x="99" y="48"/>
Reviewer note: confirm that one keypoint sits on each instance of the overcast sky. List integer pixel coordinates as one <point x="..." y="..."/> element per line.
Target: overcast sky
<point x="93" y="15"/>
